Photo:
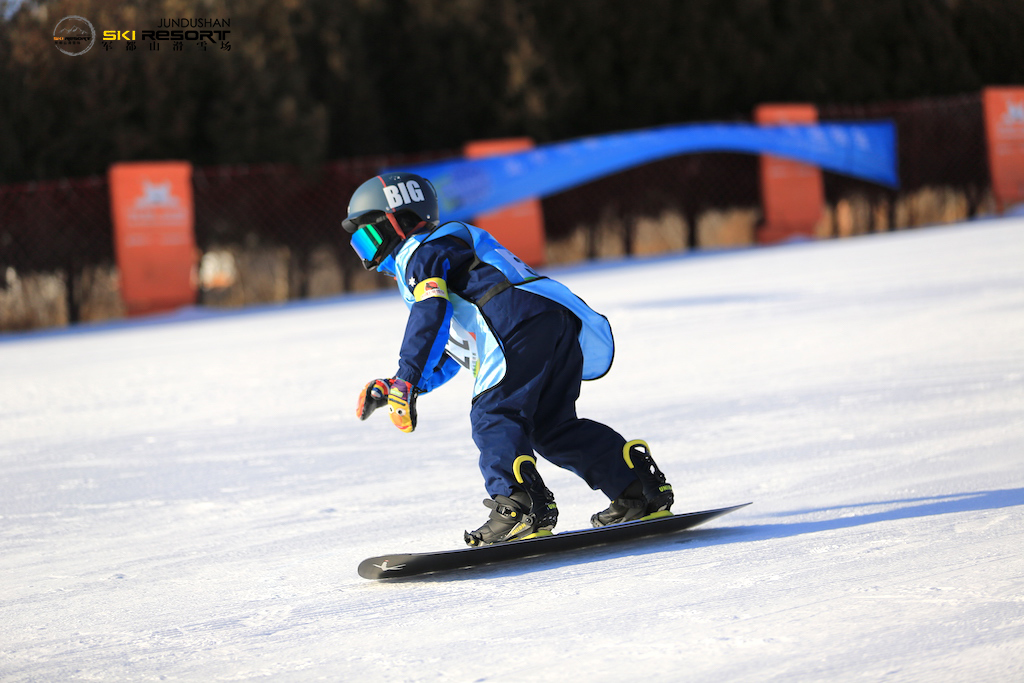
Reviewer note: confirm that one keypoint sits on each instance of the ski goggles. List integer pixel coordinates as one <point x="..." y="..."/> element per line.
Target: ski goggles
<point x="366" y="241"/>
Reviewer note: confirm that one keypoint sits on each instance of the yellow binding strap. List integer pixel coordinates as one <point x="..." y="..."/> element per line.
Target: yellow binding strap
<point x="518" y="465"/>
<point x="634" y="442"/>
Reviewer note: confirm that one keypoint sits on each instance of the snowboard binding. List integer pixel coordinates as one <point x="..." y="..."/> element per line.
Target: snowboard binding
<point x="529" y="512"/>
<point x="649" y="497"/>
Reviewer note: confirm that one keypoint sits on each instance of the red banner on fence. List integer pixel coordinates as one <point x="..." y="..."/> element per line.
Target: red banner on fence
<point x="154" y="236"/>
<point x="792" y="193"/>
<point x="519" y="227"/>
<point x="1004" y="130"/>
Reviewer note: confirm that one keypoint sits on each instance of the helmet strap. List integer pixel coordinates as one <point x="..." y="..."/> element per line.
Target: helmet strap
<point x="395" y="225"/>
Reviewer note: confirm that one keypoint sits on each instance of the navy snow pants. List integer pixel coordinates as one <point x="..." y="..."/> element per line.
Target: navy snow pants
<point x="534" y="409"/>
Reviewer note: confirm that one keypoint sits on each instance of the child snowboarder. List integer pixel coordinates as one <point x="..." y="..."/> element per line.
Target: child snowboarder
<point x="527" y="339"/>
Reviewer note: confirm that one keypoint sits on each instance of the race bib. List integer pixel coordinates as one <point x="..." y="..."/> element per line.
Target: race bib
<point x="462" y="347"/>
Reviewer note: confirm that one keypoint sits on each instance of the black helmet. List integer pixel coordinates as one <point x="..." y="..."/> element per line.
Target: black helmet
<point x="385" y="210"/>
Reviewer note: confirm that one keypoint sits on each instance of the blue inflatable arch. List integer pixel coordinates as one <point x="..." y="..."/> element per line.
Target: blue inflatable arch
<point x="469" y="187"/>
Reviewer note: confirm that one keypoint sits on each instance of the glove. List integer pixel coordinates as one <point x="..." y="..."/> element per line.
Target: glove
<point x="397" y="394"/>
<point x="375" y="395"/>
<point x="402" y="405"/>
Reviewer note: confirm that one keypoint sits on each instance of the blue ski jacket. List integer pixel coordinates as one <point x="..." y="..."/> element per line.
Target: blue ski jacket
<point x="466" y="293"/>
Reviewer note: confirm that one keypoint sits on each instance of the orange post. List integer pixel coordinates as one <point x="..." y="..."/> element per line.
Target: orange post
<point x="792" y="193"/>
<point x="1004" y="131"/>
<point x="519" y="227"/>
<point x="154" y="236"/>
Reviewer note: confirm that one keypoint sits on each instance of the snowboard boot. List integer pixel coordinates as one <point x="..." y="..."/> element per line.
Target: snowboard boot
<point x="529" y="512"/>
<point x="649" y="497"/>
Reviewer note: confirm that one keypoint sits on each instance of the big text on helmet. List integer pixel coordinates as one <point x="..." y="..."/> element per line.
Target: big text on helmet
<point x="403" y="193"/>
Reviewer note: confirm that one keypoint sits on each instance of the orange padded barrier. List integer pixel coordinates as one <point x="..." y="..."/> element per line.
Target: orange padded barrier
<point x="792" y="193"/>
<point x="519" y="227"/>
<point x="1004" y="130"/>
<point x="154" y="235"/>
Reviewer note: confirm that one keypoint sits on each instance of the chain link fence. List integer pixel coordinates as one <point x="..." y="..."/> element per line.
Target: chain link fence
<point x="271" y="233"/>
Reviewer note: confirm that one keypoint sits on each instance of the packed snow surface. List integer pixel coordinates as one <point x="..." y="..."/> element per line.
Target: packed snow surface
<point x="188" y="498"/>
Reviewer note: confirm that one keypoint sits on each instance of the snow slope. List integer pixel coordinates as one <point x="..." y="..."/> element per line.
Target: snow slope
<point x="188" y="500"/>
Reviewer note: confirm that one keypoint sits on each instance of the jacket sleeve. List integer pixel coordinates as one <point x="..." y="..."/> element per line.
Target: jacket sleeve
<point x="448" y="368"/>
<point x="423" y="361"/>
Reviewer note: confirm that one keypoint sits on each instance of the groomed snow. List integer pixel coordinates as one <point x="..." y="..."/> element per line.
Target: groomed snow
<point x="187" y="499"/>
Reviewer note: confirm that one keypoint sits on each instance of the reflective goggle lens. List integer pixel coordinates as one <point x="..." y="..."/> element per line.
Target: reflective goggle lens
<point x="366" y="241"/>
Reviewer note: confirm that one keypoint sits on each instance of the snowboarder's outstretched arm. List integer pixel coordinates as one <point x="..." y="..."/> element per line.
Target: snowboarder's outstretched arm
<point x="423" y="361"/>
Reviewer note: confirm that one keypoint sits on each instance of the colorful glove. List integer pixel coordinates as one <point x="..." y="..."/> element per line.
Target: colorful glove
<point x="375" y="395"/>
<point x="397" y="394"/>
<point x="402" y="404"/>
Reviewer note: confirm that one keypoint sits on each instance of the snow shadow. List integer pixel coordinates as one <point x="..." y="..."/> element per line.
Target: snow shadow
<point x="904" y="508"/>
<point x="840" y="517"/>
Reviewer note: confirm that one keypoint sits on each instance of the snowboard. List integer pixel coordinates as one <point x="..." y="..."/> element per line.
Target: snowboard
<point x="398" y="565"/>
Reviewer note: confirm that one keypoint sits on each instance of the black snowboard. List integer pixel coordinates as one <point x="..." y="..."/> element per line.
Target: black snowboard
<point x="410" y="564"/>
